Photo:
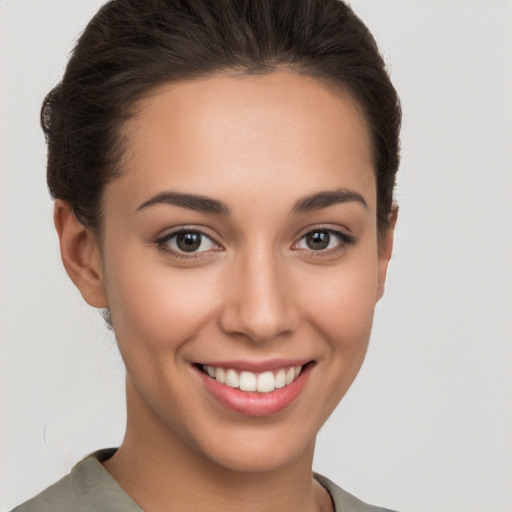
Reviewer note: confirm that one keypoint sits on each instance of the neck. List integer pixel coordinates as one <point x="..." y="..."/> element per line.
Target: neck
<point x="162" y="472"/>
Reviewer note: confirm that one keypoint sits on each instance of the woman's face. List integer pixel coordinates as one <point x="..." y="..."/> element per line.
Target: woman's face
<point x="240" y="240"/>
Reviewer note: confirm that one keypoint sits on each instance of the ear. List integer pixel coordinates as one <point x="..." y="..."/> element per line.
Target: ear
<point x="385" y="249"/>
<point x="80" y="255"/>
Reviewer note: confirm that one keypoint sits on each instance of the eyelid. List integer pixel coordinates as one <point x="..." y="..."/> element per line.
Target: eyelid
<point x="345" y="240"/>
<point x="343" y="231"/>
<point x="166" y="233"/>
<point x="162" y="244"/>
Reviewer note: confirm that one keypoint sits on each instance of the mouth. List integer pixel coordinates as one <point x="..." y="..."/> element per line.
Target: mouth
<point x="253" y="389"/>
<point x="263" y="382"/>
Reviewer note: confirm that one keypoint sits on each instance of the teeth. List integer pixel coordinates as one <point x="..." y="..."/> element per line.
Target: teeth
<point x="220" y="375"/>
<point x="232" y="379"/>
<point x="266" y="382"/>
<point x="248" y="381"/>
<point x="281" y="379"/>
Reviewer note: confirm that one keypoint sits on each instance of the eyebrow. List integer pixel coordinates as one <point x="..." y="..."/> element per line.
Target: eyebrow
<point x="190" y="201"/>
<point x="328" y="198"/>
<point x="208" y="205"/>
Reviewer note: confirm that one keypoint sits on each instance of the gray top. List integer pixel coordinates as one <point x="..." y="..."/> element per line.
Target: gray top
<point x="90" y="488"/>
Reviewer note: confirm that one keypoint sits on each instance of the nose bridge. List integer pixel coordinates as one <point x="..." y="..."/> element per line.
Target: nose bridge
<point x="259" y="304"/>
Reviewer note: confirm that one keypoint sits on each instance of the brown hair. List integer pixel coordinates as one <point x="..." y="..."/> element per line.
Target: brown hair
<point x="132" y="46"/>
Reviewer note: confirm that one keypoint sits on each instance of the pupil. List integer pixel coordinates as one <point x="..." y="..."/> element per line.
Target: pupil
<point x="318" y="240"/>
<point x="188" y="242"/>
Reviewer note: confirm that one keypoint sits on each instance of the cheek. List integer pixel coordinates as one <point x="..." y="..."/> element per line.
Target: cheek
<point x="156" y="306"/>
<point x="343" y="305"/>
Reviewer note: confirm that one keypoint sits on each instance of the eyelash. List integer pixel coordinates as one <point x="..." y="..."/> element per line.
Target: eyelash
<point x="344" y="241"/>
<point x="162" y="244"/>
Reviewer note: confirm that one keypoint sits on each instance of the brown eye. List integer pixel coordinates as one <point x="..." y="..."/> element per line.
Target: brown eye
<point x="188" y="241"/>
<point x="324" y="240"/>
<point x="318" y="240"/>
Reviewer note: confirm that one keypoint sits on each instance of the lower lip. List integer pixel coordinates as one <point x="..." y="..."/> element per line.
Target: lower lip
<point x="253" y="403"/>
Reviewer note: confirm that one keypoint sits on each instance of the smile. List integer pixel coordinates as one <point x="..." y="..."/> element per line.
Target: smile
<point x="264" y="382"/>
<point x="256" y="389"/>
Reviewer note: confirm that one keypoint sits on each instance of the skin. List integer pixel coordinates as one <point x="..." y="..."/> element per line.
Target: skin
<point x="257" y="292"/>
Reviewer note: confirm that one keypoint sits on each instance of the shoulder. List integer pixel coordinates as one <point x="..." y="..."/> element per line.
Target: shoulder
<point x="89" y="487"/>
<point x="344" y="501"/>
<point x="59" y="497"/>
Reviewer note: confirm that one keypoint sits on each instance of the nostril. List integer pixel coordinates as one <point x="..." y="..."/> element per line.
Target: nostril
<point x="260" y="326"/>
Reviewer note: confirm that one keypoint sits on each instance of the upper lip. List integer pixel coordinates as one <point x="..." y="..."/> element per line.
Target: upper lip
<point x="257" y="366"/>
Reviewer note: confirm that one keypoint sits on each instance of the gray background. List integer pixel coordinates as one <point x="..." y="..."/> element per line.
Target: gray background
<point x="428" y="424"/>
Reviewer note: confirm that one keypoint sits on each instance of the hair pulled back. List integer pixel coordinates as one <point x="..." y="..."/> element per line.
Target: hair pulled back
<point x="131" y="47"/>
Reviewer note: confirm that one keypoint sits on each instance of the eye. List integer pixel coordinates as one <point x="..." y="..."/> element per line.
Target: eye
<point x="323" y="240"/>
<point x="187" y="241"/>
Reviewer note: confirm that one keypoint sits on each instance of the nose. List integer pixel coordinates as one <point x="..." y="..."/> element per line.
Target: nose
<point x="259" y="302"/>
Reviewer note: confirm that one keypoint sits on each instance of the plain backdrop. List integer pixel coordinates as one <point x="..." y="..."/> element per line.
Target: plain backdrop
<point x="427" y="425"/>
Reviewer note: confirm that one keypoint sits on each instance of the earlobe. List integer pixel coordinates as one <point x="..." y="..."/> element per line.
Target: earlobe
<point x="385" y="251"/>
<point x="80" y="255"/>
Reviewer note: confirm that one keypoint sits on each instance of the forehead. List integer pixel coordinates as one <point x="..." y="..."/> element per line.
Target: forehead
<point x="243" y="134"/>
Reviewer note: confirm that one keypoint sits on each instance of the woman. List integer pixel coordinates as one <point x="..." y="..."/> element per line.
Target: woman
<point x="223" y="174"/>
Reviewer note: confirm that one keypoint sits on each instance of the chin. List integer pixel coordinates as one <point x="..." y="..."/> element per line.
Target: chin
<point x="261" y="454"/>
